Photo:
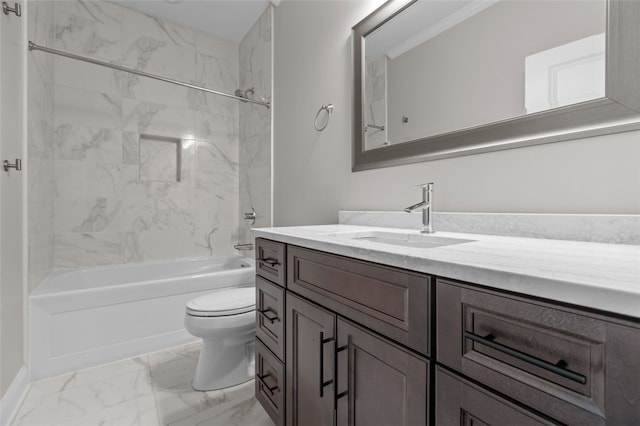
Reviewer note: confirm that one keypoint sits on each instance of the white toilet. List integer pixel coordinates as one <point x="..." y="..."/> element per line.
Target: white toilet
<point x="226" y="322"/>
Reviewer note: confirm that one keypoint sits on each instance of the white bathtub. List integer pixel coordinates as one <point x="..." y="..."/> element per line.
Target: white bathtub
<point x="86" y="317"/>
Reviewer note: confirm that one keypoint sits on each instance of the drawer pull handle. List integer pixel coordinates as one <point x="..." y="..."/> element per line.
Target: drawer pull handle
<point x="265" y="313"/>
<point x="269" y="261"/>
<point x="264" y="383"/>
<point x="559" y="368"/>
<point x="323" y="384"/>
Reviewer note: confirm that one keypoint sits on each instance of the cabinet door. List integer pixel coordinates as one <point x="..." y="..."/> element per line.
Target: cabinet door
<point x="379" y="383"/>
<point x="459" y="402"/>
<point x="310" y="363"/>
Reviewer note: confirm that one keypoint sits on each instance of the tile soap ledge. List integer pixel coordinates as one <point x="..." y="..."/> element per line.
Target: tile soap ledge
<point x="600" y="276"/>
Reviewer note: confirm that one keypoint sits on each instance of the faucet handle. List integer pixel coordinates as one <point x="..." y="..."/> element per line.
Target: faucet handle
<point x="429" y="185"/>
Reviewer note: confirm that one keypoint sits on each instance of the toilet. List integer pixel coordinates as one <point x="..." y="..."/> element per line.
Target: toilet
<point x="226" y="322"/>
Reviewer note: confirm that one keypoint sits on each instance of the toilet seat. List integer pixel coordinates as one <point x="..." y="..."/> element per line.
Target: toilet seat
<point x="233" y="301"/>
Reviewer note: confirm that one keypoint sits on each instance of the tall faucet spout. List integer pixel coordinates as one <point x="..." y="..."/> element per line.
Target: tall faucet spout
<point x="425" y="204"/>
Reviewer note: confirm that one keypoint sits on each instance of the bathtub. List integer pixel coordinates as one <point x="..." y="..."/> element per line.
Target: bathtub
<point x="85" y="317"/>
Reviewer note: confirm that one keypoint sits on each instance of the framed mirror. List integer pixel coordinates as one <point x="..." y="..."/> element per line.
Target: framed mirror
<point x="444" y="78"/>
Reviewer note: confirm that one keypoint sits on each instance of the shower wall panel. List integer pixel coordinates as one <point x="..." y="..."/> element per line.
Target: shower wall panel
<point x="105" y="213"/>
<point x="40" y="130"/>
<point x="255" y="125"/>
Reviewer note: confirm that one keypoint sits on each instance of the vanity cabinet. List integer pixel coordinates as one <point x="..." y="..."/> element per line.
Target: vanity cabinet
<point x="360" y="343"/>
<point x="573" y="366"/>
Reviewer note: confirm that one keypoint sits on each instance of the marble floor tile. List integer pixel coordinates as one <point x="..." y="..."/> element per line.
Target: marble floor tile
<point x="148" y="390"/>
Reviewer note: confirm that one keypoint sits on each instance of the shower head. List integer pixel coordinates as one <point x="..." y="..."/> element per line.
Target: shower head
<point x="249" y="94"/>
<point x="241" y="93"/>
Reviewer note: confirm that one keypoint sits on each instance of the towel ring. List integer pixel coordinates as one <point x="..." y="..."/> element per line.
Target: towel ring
<point x="329" y="109"/>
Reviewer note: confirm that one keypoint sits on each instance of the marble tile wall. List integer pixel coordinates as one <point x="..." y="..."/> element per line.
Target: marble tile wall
<point x="40" y="161"/>
<point x="255" y="126"/>
<point x="107" y="208"/>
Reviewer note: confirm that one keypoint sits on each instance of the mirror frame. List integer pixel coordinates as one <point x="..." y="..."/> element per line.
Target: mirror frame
<point x="618" y="111"/>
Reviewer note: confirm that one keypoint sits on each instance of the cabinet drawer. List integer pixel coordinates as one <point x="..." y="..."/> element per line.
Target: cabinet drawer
<point x="391" y="301"/>
<point x="459" y="402"/>
<point x="270" y="316"/>
<point x="270" y="383"/>
<point x="548" y="357"/>
<point x="270" y="260"/>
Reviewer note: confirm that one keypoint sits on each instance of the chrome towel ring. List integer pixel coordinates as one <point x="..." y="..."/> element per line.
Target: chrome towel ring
<point x="327" y="116"/>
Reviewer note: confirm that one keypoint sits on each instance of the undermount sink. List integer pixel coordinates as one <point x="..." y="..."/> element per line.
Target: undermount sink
<point x="402" y="239"/>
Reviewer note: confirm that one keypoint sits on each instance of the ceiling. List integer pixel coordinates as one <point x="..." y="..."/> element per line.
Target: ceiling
<point x="227" y="19"/>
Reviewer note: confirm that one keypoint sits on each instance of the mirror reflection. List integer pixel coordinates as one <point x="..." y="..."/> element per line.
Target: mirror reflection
<point x="442" y="66"/>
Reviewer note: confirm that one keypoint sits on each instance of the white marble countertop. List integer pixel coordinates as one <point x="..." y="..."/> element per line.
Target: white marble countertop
<point x="593" y="275"/>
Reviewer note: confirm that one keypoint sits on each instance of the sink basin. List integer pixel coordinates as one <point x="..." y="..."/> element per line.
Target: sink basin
<point x="413" y="239"/>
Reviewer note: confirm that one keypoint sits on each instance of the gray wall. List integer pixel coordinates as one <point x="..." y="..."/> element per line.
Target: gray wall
<point x="312" y="171"/>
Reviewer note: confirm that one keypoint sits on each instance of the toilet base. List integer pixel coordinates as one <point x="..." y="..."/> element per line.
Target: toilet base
<point x="221" y="366"/>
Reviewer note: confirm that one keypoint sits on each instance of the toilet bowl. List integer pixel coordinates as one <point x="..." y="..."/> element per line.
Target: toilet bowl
<point x="226" y="322"/>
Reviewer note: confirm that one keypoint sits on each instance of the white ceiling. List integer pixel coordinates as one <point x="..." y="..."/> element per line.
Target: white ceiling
<point x="227" y="19"/>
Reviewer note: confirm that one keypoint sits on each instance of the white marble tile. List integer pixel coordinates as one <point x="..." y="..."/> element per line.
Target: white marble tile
<point x="134" y="412"/>
<point x="87" y="214"/>
<point x="83" y="34"/>
<point x="217" y="169"/>
<point x="87" y="108"/>
<point x="179" y="403"/>
<point x="145" y="89"/>
<point x="214" y="46"/>
<point x="74" y="250"/>
<point x="137" y="23"/>
<point x="159" y="57"/>
<point x="87" y="143"/>
<point x="237" y="407"/>
<point x="88" y="178"/>
<point x="103" y="372"/>
<point x="102" y="12"/>
<point x="83" y="75"/>
<point x="71" y="406"/>
<point x="40" y="130"/>
<point x="152" y="390"/>
<point x="158" y="120"/>
<point x="216" y="128"/>
<point x="159" y="160"/>
<point x="130" y="148"/>
<point x="216" y="73"/>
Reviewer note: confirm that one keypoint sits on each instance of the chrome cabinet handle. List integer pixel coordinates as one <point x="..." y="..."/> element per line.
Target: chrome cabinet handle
<point x="559" y="368"/>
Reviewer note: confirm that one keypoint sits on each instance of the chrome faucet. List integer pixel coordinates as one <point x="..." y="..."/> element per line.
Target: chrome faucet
<point x="425" y="204"/>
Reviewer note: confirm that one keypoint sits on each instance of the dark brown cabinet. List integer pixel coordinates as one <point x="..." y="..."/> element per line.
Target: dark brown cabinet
<point x="310" y="367"/>
<point x="344" y="342"/>
<point x="270" y="386"/>
<point x="570" y="365"/>
<point x="379" y="383"/>
<point x="361" y="379"/>
<point x="461" y="403"/>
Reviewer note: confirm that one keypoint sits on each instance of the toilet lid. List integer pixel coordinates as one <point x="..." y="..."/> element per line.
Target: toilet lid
<point x="233" y="301"/>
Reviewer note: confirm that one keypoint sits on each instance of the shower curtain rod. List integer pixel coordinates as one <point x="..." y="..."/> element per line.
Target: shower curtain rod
<point x="34" y="46"/>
